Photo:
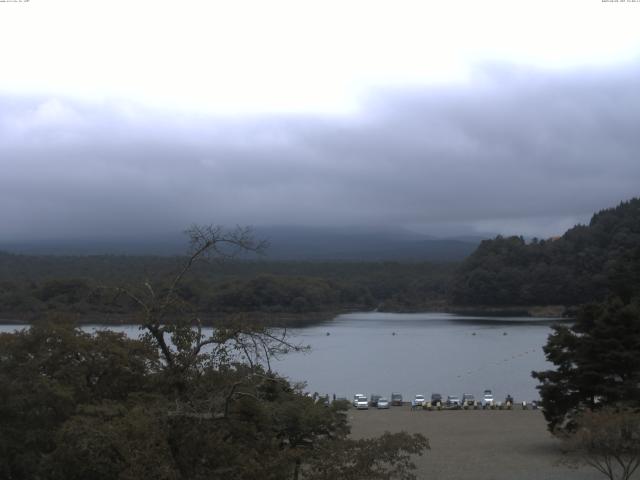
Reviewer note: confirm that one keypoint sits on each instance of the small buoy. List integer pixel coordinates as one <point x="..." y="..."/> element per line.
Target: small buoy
<point x="504" y="333"/>
<point x="328" y="334"/>
<point x="474" y="333"/>
<point x="393" y="333"/>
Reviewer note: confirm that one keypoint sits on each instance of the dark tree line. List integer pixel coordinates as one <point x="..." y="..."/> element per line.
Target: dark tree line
<point x="81" y="285"/>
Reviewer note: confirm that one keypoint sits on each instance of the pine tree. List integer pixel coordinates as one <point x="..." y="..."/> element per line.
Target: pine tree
<point x="597" y="363"/>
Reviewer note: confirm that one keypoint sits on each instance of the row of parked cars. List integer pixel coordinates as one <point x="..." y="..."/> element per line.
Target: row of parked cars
<point x="467" y="400"/>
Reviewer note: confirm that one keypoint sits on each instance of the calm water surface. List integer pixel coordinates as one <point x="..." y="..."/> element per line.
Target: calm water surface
<point x="414" y="353"/>
<point x="430" y="352"/>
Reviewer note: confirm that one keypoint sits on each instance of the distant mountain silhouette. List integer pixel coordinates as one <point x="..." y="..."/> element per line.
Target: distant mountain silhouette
<point x="285" y="243"/>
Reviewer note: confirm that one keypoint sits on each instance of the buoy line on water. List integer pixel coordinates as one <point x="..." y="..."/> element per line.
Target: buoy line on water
<point x="497" y="363"/>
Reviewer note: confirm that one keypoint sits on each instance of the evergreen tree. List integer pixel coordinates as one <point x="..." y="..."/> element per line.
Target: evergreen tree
<point x="597" y="363"/>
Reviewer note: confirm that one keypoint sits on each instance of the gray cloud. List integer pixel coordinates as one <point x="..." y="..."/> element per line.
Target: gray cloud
<point x="513" y="151"/>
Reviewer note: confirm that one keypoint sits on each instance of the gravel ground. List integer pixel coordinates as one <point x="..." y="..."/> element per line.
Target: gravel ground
<point x="476" y="444"/>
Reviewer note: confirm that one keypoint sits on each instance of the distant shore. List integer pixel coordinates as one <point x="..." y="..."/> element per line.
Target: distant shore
<point x="262" y="318"/>
<point x="290" y="319"/>
<point x="534" y="311"/>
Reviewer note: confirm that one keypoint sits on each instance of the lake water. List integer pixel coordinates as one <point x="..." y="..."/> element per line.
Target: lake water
<point x="430" y="352"/>
<point x="415" y="353"/>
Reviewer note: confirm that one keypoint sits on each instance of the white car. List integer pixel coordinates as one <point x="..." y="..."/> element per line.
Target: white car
<point x="383" y="403"/>
<point x="487" y="399"/>
<point x="356" y="397"/>
<point x="361" y="402"/>
<point x="418" y="401"/>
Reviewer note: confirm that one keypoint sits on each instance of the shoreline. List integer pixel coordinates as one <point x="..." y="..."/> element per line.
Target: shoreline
<point x="208" y="320"/>
<point x="533" y="311"/>
<point x="303" y="319"/>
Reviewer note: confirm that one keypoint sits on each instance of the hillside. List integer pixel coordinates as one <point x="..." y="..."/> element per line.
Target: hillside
<point x="586" y="264"/>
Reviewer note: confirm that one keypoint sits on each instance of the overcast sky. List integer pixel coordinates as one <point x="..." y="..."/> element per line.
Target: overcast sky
<point x="446" y="117"/>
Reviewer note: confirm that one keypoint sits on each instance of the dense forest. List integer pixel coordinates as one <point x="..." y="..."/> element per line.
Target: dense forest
<point x="31" y="286"/>
<point x="586" y="264"/>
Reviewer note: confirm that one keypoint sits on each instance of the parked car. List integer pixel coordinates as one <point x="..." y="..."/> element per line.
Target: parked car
<point x="396" y="399"/>
<point x="453" y="401"/>
<point x="435" y="398"/>
<point x="468" y="400"/>
<point x="487" y="399"/>
<point x="374" y="400"/>
<point x="362" y="403"/>
<point x="418" y="401"/>
<point x="357" y="397"/>
<point x="383" y="403"/>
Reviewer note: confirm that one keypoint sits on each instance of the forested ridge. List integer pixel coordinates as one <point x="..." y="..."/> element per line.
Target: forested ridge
<point x="586" y="264"/>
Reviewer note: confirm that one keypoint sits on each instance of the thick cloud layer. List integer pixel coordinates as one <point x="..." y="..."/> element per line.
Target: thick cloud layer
<point x="516" y="151"/>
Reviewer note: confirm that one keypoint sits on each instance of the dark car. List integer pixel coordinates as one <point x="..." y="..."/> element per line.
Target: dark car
<point x="374" y="400"/>
<point x="453" y="401"/>
<point x="468" y="400"/>
<point x="436" y="398"/>
<point x="396" y="399"/>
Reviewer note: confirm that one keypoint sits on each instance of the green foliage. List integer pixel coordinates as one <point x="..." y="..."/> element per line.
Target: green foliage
<point x="272" y="293"/>
<point x="586" y="264"/>
<point x="84" y="286"/>
<point x="109" y="441"/>
<point x="77" y="406"/>
<point x="46" y="372"/>
<point x="68" y="291"/>
<point x="597" y="363"/>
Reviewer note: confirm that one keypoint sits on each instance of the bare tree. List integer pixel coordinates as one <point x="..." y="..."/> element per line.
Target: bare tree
<point x="176" y="328"/>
